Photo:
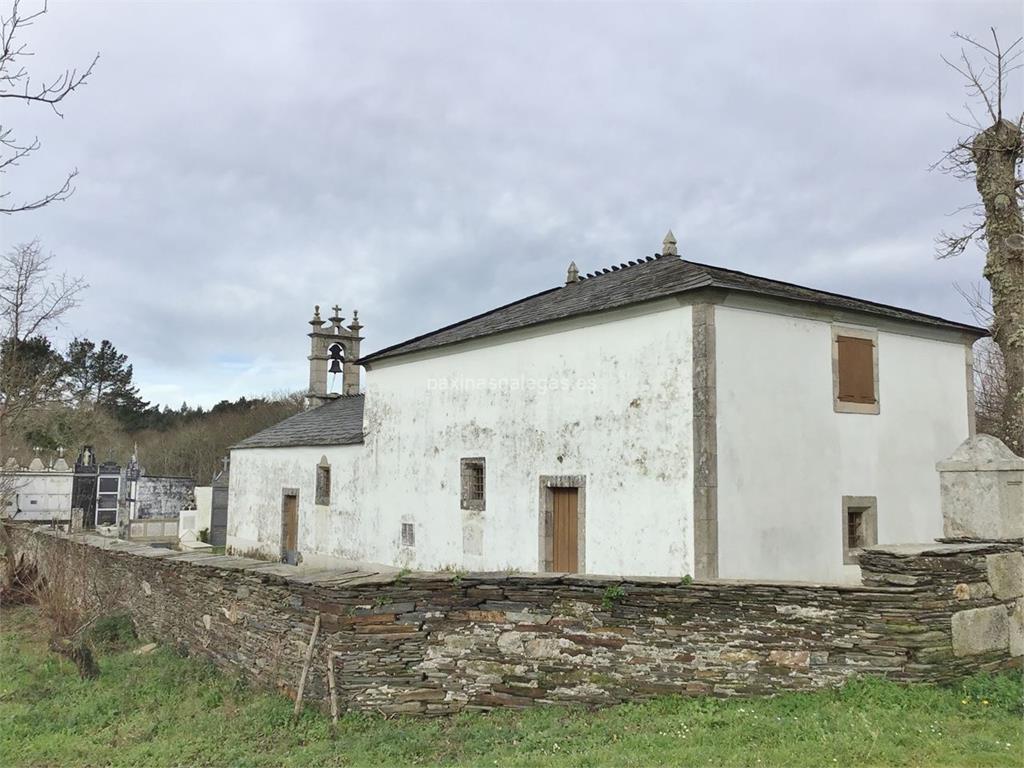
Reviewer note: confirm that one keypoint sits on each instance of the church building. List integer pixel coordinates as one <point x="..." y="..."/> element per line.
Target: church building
<point x="661" y="417"/>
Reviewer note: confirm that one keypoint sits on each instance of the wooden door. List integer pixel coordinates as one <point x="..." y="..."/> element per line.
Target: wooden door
<point x="565" y="530"/>
<point x="290" y="528"/>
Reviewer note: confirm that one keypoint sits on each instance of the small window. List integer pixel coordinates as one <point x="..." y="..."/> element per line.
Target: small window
<point x="860" y="526"/>
<point x="408" y="535"/>
<point x="855" y="370"/>
<point x="323" y="482"/>
<point x="474" y="484"/>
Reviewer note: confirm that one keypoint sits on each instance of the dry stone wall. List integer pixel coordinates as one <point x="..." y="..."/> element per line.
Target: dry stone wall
<point x="443" y="642"/>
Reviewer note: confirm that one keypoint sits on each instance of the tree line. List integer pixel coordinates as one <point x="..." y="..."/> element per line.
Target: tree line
<point x="85" y="392"/>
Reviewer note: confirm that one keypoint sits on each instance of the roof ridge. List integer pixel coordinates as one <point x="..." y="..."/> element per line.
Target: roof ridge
<point x="624" y="265"/>
<point x="599" y="273"/>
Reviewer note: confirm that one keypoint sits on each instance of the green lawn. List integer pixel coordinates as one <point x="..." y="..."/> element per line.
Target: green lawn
<point x="160" y="709"/>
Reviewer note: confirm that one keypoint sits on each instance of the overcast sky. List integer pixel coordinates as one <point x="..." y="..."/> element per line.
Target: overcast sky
<point x="424" y="162"/>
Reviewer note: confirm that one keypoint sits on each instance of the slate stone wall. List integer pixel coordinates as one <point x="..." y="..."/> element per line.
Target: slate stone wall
<point x="436" y="643"/>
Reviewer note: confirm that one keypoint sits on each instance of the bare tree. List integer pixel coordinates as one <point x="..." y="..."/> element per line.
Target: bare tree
<point x="16" y="84"/>
<point x="60" y="579"/>
<point x="991" y="155"/>
<point x="32" y="302"/>
<point x="989" y="367"/>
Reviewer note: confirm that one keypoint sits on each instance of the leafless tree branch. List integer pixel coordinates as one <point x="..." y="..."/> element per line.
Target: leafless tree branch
<point x="16" y="83"/>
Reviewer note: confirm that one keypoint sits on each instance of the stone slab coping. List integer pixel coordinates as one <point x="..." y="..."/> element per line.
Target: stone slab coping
<point x="193" y="557"/>
<point x="274" y="569"/>
<point x="373" y="578"/>
<point x="229" y="562"/>
<point x="332" y="576"/>
<point x="942" y="549"/>
<point x="387" y="575"/>
<point x="1012" y="542"/>
<point x="1008" y="465"/>
<point x="150" y="551"/>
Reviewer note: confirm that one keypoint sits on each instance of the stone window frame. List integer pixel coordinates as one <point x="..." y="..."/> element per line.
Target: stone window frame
<point x="466" y="468"/>
<point x="851" y="555"/>
<point x="322" y="483"/>
<point x="854" y="332"/>
<point x="546" y="555"/>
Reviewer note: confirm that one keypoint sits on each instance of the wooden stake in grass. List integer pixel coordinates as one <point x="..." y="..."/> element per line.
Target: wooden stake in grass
<point x="305" y="666"/>
<point x="334" y="693"/>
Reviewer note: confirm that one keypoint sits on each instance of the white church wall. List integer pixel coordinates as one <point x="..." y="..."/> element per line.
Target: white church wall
<point x="786" y="459"/>
<point x="259" y="477"/>
<point x="610" y="401"/>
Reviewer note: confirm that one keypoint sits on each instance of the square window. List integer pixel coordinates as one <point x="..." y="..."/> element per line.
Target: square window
<point x="855" y="370"/>
<point x="408" y="535"/>
<point x="323" y="483"/>
<point x="474" y="484"/>
<point x="860" y="526"/>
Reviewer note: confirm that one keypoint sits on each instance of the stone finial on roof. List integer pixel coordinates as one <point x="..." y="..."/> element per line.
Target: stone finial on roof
<point x="668" y="245"/>
<point x="355" y="326"/>
<point x="573" y="274"/>
<point x="316" y="322"/>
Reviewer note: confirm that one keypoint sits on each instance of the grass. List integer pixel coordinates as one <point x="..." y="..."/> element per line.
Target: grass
<point x="162" y="710"/>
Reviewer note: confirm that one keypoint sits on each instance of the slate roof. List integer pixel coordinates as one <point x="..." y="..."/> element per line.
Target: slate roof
<point x="637" y="281"/>
<point x="339" y="422"/>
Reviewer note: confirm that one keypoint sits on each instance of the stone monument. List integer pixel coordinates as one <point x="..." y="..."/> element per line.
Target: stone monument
<point x="982" y="491"/>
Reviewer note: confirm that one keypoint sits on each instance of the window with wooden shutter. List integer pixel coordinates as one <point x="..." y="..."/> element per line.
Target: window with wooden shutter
<point x="855" y="370"/>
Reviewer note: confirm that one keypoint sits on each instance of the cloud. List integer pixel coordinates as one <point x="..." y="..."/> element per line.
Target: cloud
<point x="425" y="162"/>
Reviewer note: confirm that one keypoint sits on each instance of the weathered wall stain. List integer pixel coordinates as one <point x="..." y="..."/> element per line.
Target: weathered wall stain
<point x="618" y="415"/>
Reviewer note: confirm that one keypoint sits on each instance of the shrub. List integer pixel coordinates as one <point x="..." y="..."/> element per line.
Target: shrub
<point x="113" y="632"/>
<point x="611" y="596"/>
